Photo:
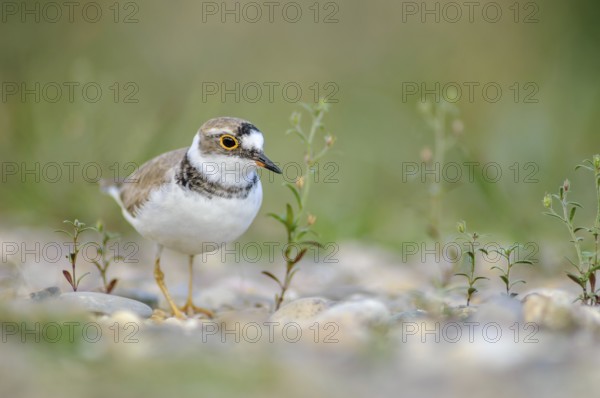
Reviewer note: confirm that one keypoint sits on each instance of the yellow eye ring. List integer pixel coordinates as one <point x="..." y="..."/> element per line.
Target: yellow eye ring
<point x="229" y="142"/>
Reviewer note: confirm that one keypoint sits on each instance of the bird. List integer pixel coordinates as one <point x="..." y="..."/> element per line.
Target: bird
<point x="190" y="199"/>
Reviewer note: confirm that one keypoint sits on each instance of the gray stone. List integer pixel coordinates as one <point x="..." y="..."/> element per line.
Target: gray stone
<point x="148" y="298"/>
<point x="49" y="292"/>
<point x="501" y="309"/>
<point x="409" y="315"/>
<point x="105" y="303"/>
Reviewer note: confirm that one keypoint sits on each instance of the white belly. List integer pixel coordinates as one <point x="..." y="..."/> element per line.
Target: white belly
<point x="189" y="223"/>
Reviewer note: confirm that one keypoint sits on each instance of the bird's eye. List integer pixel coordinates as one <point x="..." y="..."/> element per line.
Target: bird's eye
<point x="229" y="142"/>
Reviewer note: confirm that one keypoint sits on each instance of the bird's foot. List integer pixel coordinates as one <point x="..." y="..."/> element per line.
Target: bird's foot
<point x="177" y="313"/>
<point x="190" y="309"/>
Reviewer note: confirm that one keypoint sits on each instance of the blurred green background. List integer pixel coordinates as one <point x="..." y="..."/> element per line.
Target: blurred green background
<point x="370" y="53"/>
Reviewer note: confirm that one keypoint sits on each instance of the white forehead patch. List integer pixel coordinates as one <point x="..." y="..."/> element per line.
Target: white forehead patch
<point x="218" y="131"/>
<point x="254" y="140"/>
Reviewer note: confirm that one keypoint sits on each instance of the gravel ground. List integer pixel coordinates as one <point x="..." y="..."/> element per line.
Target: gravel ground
<point x="367" y="325"/>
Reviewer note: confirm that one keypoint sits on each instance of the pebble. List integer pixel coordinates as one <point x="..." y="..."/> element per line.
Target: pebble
<point x="464" y="312"/>
<point x="553" y="309"/>
<point x="105" y="303"/>
<point x="409" y="315"/>
<point x="304" y="309"/>
<point x="364" y="313"/>
<point x="125" y="317"/>
<point x="352" y="323"/>
<point x="217" y="297"/>
<point x="148" y="298"/>
<point x="500" y="309"/>
<point x="558" y="310"/>
<point x="49" y="292"/>
<point x="186" y="325"/>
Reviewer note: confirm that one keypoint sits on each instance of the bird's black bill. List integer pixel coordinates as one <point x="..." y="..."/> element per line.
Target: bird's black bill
<point x="263" y="161"/>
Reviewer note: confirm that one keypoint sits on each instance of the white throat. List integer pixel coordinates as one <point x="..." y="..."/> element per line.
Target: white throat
<point x="222" y="169"/>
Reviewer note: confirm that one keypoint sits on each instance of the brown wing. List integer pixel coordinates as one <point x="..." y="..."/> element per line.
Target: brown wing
<point x="136" y="189"/>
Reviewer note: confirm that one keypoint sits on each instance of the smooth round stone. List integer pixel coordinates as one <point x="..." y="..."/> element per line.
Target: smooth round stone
<point x="550" y="308"/>
<point x="301" y="309"/>
<point x="106" y="303"/>
<point x="366" y="312"/>
<point x="143" y="296"/>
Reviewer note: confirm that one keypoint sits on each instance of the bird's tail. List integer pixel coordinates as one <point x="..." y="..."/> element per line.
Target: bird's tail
<point x="112" y="188"/>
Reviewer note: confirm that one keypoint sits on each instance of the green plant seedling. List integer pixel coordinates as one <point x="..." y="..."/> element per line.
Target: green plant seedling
<point x="471" y="240"/>
<point x="509" y="254"/>
<point x="78" y="229"/>
<point x="298" y="223"/>
<point x="587" y="263"/>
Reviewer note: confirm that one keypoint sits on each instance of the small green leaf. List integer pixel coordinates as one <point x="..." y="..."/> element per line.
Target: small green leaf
<point x="575" y="279"/>
<point x="588" y="254"/>
<point x="292" y="188"/>
<point x="555" y="216"/>
<point x="572" y="213"/>
<point x="81" y="277"/>
<point x="270" y="275"/>
<point x="504" y="279"/>
<point x="308" y="108"/>
<point x="595" y="268"/>
<point x="501" y="252"/>
<point x="311" y="243"/>
<point x="465" y="275"/>
<point x="524" y="262"/>
<point x="579" y="166"/>
<point x="64" y="232"/>
<point x="278" y="218"/>
<point x="517" y="281"/>
<point x="471" y="290"/>
<point x="302" y="232"/>
<point x="292" y="273"/>
<point x="289" y="215"/>
<point x="480" y="277"/>
<point x="297" y="132"/>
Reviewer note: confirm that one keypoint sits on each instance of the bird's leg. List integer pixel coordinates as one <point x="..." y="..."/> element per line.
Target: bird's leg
<point x="189" y="307"/>
<point x="160" y="281"/>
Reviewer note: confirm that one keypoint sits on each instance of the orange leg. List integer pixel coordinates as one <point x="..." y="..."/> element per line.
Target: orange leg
<point x="160" y="281"/>
<point x="189" y="307"/>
